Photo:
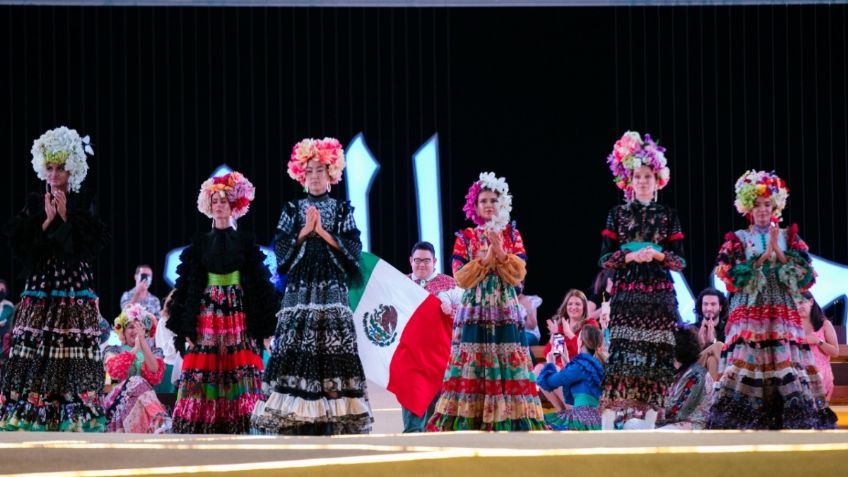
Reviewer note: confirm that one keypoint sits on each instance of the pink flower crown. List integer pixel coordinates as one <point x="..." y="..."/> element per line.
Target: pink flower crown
<point x="328" y="150"/>
<point x="132" y="313"/>
<point x="630" y="153"/>
<point x="234" y="186"/>
<point x="488" y="181"/>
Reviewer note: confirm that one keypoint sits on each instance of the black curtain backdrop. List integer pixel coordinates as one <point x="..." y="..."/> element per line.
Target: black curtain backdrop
<point x="538" y="95"/>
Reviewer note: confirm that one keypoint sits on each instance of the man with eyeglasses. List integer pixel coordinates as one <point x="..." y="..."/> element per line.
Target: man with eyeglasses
<point x="423" y="263"/>
<point x="711" y="316"/>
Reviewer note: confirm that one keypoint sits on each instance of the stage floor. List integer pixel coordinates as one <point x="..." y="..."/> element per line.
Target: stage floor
<point x="464" y="454"/>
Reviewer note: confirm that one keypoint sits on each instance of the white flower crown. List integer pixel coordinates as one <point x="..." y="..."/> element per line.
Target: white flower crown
<point x="62" y="146"/>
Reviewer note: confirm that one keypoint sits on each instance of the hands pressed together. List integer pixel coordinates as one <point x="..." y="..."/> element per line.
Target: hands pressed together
<point x="495" y="252"/>
<point x="55" y="203"/>
<point x="772" y="251"/>
<point x="645" y="255"/>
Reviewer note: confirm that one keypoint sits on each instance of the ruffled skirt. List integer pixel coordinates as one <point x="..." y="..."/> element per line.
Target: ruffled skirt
<point x="55" y="368"/>
<point x="315" y="377"/>
<point x="221" y="375"/>
<point x="489" y="383"/>
<point x="769" y="378"/>
<point x="640" y="367"/>
<point x="132" y="406"/>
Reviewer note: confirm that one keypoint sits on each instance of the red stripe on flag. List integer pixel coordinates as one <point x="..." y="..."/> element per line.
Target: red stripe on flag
<point x="418" y="364"/>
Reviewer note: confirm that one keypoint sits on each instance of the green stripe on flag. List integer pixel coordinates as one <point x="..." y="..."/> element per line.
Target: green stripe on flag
<point x="367" y="262"/>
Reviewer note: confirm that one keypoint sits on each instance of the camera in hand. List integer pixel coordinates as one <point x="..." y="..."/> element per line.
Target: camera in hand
<point x="145" y="277"/>
<point x="558" y="344"/>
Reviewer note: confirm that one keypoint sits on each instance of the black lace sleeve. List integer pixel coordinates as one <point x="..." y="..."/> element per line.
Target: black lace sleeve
<point x="673" y="249"/>
<point x="350" y="245"/>
<point x="261" y="300"/>
<point x="185" y="303"/>
<point x="611" y="254"/>
<point x="285" y="238"/>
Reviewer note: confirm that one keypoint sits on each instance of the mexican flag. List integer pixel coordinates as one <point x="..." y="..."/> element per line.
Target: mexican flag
<point x="402" y="334"/>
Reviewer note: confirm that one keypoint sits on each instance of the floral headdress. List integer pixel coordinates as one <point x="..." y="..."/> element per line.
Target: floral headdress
<point x="488" y="181"/>
<point x="631" y="152"/>
<point x="328" y="150"/>
<point x="753" y="184"/>
<point x="65" y="147"/>
<point x="234" y="186"/>
<point x="132" y="313"/>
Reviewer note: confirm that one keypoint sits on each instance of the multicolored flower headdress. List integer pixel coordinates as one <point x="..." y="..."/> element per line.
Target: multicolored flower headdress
<point x="488" y="181"/>
<point x="753" y="184"/>
<point x="132" y="313"/>
<point x="328" y="150"/>
<point x="631" y="152"/>
<point x="234" y="186"/>
<point x="64" y="147"/>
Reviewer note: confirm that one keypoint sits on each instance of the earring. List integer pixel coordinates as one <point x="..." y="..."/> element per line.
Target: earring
<point x="305" y="188"/>
<point x="656" y="195"/>
<point x="328" y="187"/>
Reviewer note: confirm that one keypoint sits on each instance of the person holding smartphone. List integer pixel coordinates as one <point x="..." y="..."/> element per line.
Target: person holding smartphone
<point x="140" y="293"/>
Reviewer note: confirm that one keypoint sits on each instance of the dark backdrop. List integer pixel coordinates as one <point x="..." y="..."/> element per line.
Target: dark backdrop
<point x="538" y="95"/>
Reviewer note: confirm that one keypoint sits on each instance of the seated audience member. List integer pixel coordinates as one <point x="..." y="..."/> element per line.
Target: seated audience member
<point x="820" y="336"/>
<point x="600" y="293"/>
<point x="711" y="309"/>
<point x="564" y="328"/>
<point x="164" y="340"/>
<point x="132" y="405"/>
<point x="580" y="384"/>
<point x="529" y="306"/>
<point x="690" y="396"/>
<point x="598" y="301"/>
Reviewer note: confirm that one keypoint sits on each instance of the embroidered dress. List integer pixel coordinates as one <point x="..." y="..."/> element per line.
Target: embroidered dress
<point x="489" y="384"/>
<point x="769" y="378"/>
<point x="55" y="367"/>
<point x="689" y="399"/>
<point x="643" y="310"/>
<point x="315" y="375"/>
<point x="224" y="303"/>
<point x="132" y="405"/>
<point x="580" y="381"/>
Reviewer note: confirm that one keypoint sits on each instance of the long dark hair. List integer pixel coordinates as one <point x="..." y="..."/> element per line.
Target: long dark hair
<point x="817" y="316"/>
<point x="687" y="349"/>
<point x="599" y="285"/>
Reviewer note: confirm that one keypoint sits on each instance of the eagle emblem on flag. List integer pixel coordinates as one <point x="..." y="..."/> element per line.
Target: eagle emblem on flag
<point x="381" y="325"/>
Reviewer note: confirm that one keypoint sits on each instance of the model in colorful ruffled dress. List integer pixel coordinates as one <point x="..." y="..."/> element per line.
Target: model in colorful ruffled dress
<point x="642" y="244"/>
<point x="489" y="384"/>
<point x="132" y="405"/>
<point x="55" y="367"/>
<point x="769" y="378"/>
<point x="224" y="306"/>
<point x="315" y="377"/>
